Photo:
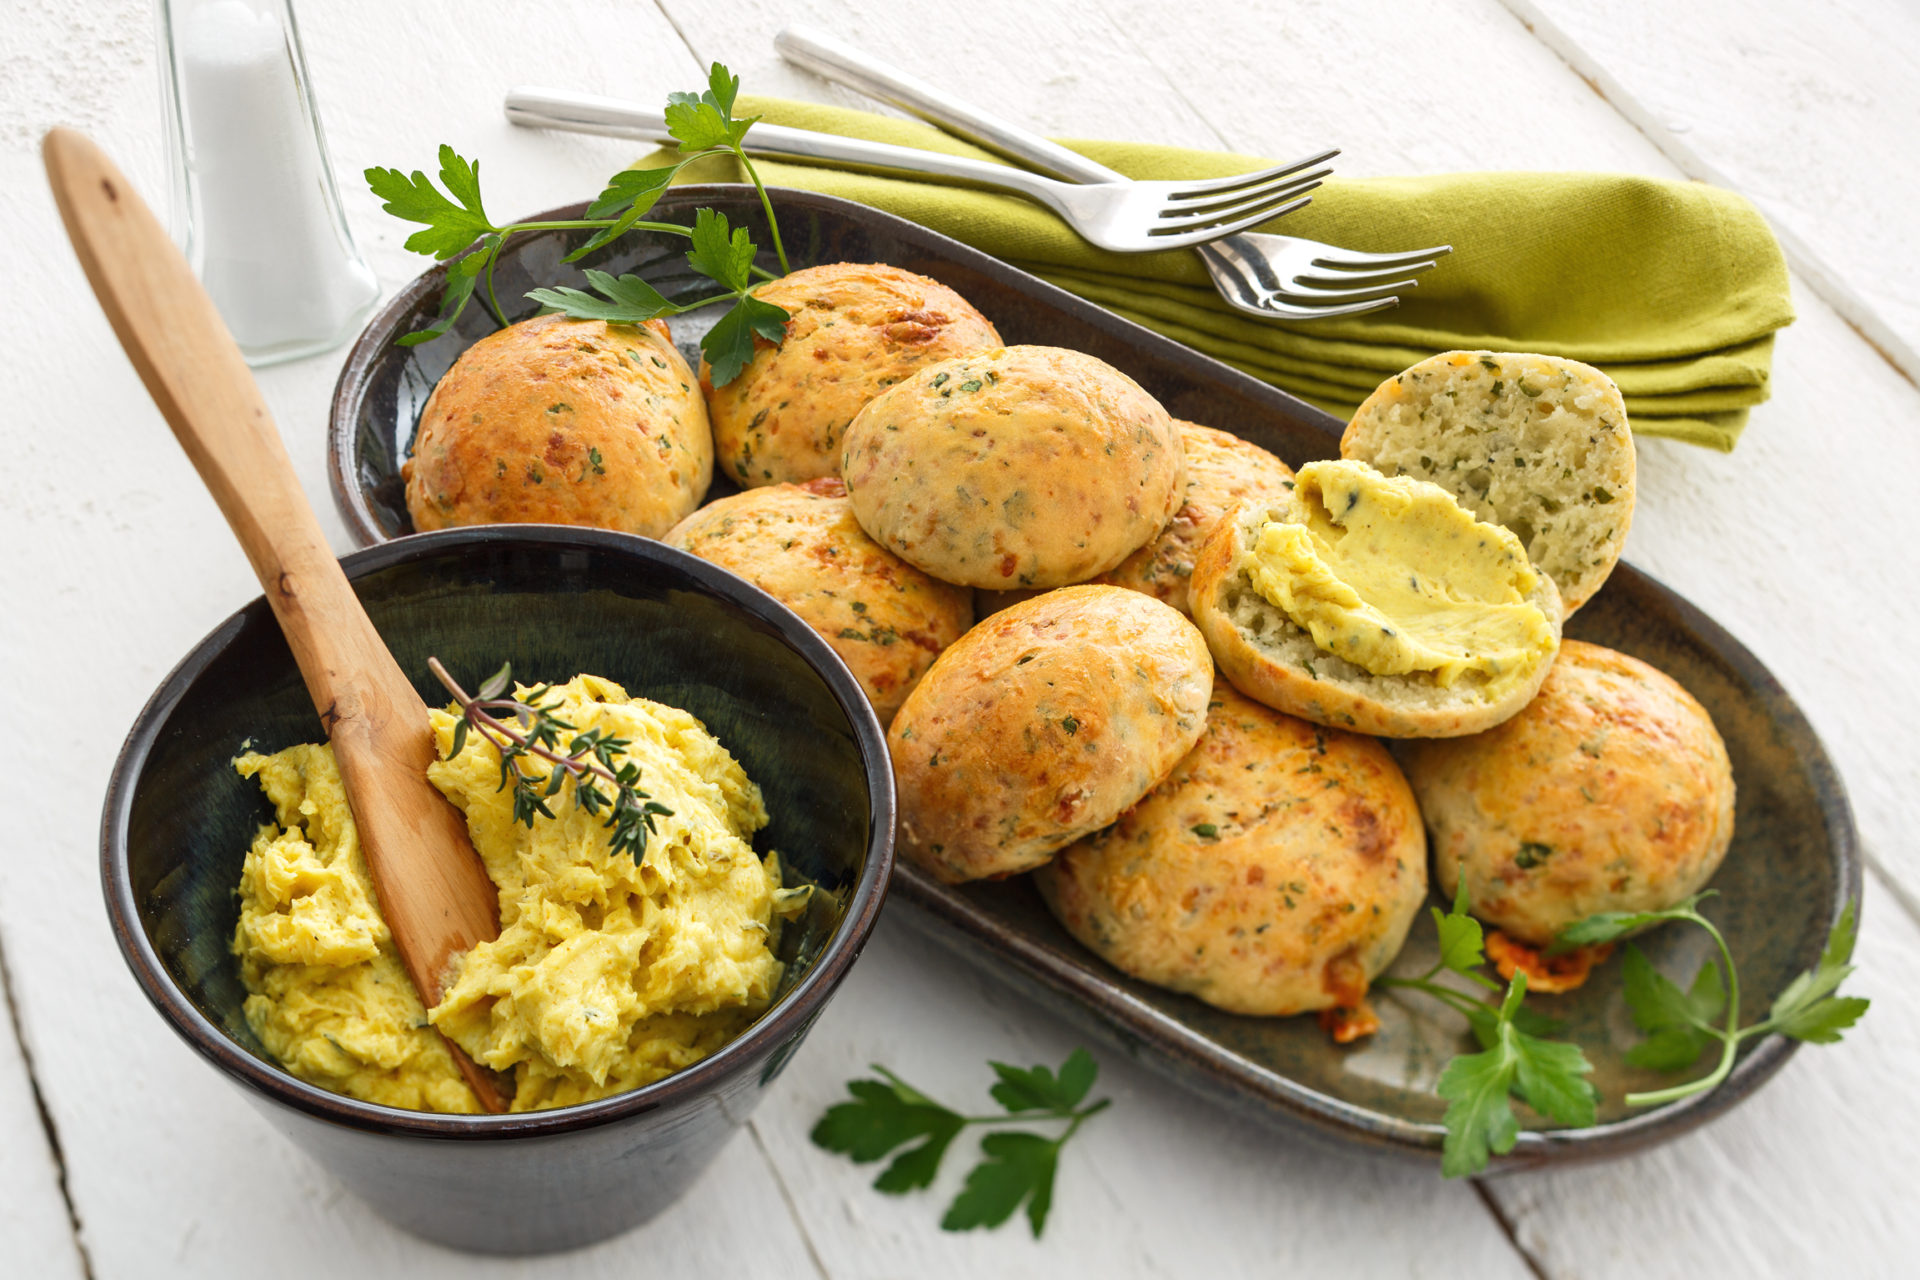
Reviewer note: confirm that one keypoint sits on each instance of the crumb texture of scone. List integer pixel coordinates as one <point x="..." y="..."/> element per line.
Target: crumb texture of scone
<point x="1019" y="467"/>
<point x="1221" y="469"/>
<point x="1042" y="724"/>
<point x="1275" y="871"/>
<point x="1611" y="791"/>
<point x="1271" y="659"/>
<point x="558" y="421"/>
<point x="801" y="545"/>
<point x="855" y="330"/>
<point x="1539" y="444"/>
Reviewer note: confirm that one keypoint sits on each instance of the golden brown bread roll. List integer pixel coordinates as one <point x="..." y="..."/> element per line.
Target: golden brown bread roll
<point x="558" y="421"/>
<point x="801" y="545"/>
<point x="856" y="329"/>
<point x="1611" y="791"/>
<point x="1221" y="469"/>
<point x="1275" y="871"/>
<point x="1041" y="724"/>
<point x="1021" y="467"/>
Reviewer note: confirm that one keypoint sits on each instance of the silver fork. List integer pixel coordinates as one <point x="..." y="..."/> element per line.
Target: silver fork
<point x="1266" y="275"/>
<point x="1124" y="216"/>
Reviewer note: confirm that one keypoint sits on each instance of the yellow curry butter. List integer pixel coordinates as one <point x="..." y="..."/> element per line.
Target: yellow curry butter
<point x="1394" y="576"/>
<point x="608" y="973"/>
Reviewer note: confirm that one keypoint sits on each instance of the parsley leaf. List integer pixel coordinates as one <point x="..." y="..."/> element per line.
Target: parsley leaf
<point x="1549" y="1076"/>
<point x="887" y="1114"/>
<point x="719" y="253"/>
<point x="1037" y="1088"/>
<point x="625" y="299"/>
<point x="699" y="122"/>
<point x="1019" y="1167"/>
<point x="728" y="346"/>
<point x="1461" y="940"/>
<point x="462" y="278"/>
<point x="1675" y="1020"/>
<point x="629" y="196"/>
<point x="1808" y="1010"/>
<point x="450" y="224"/>
<point x="1610" y="926"/>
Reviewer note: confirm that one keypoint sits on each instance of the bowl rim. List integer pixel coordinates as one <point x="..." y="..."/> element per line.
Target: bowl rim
<point x="788" y="1016"/>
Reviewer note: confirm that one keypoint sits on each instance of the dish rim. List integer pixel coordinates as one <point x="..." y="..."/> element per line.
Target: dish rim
<point x="1123" y="1018"/>
<point x="790" y="1015"/>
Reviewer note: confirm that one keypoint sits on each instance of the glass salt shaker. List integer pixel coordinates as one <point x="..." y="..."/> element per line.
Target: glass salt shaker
<point x="254" y="206"/>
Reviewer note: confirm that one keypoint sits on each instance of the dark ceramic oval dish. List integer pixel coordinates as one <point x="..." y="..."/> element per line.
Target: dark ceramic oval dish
<point x="557" y="602"/>
<point x="1792" y="866"/>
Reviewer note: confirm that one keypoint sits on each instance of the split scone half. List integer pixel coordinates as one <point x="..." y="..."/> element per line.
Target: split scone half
<point x="1539" y="444"/>
<point x="1377" y="604"/>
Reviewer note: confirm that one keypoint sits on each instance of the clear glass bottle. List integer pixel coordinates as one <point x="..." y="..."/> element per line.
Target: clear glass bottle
<point x="254" y="206"/>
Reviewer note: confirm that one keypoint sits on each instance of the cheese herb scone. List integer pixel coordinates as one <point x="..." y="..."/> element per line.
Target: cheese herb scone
<point x="608" y="973"/>
<point x="1537" y="444"/>
<point x="1021" y="467"/>
<point x="1375" y="604"/>
<point x="1611" y="791"/>
<point x="1043" y="723"/>
<point x="855" y="330"/>
<point x="801" y="545"/>
<point x="1221" y="469"/>
<point x="1276" y="870"/>
<point x="558" y="421"/>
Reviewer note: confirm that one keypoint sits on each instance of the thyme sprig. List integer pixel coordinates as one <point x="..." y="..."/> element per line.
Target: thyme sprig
<point x="590" y="757"/>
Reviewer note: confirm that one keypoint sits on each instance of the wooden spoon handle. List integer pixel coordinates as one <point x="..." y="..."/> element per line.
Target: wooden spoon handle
<point x="433" y="890"/>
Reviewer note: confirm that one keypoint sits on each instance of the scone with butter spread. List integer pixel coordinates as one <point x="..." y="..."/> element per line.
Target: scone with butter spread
<point x="855" y="329"/>
<point x="1019" y="467"/>
<point x="1538" y="444"/>
<point x="1221" y="469"/>
<point x="800" y="544"/>
<point x="1043" y="723"/>
<point x="558" y="421"/>
<point x="1377" y="604"/>
<point x="1276" y="870"/>
<point x="1610" y="791"/>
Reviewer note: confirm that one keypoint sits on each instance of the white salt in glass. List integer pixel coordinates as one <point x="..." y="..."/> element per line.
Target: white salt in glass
<point x="255" y="208"/>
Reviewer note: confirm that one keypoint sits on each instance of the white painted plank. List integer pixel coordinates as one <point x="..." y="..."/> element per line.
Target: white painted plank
<point x="1808" y="1177"/>
<point x="1161" y="1184"/>
<point x="35" y="1230"/>
<point x="174" y="1175"/>
<point x="1811" y="114"/>
<point x="120" y="563"/>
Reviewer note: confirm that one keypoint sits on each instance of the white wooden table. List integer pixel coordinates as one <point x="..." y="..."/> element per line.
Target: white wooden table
<point x="121" y="1155"/>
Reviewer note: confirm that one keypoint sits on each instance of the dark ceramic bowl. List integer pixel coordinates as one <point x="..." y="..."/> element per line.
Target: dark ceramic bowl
<point x="557" y="602"/>
<point x="1793" y="865"/>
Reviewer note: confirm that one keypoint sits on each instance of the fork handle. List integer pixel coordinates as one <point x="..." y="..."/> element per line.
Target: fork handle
<point x="834" y="60"/>
<point x="612" y="117"/>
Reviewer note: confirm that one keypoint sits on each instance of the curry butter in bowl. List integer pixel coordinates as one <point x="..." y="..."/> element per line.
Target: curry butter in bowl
<point x="663" y="948"/>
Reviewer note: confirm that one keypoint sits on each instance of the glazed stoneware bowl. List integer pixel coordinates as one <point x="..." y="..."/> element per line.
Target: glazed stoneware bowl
<point x="1793" y="867"/>
<point x="556" y="602"/>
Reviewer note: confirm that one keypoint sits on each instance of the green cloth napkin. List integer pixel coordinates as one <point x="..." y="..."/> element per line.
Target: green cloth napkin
<point x="1674" y="288"/>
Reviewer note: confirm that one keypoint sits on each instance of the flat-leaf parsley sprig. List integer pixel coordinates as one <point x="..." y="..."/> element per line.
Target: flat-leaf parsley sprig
<point x="1516" y="1058"/>
<point x="1683" y="1024"/>
<point x="888" y="1113"/>
<point x="455" y="225"/>
<point x="590" y="758"/>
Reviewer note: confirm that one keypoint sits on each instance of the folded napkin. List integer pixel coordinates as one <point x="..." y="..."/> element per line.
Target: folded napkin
<point x="1674" y="288"/>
